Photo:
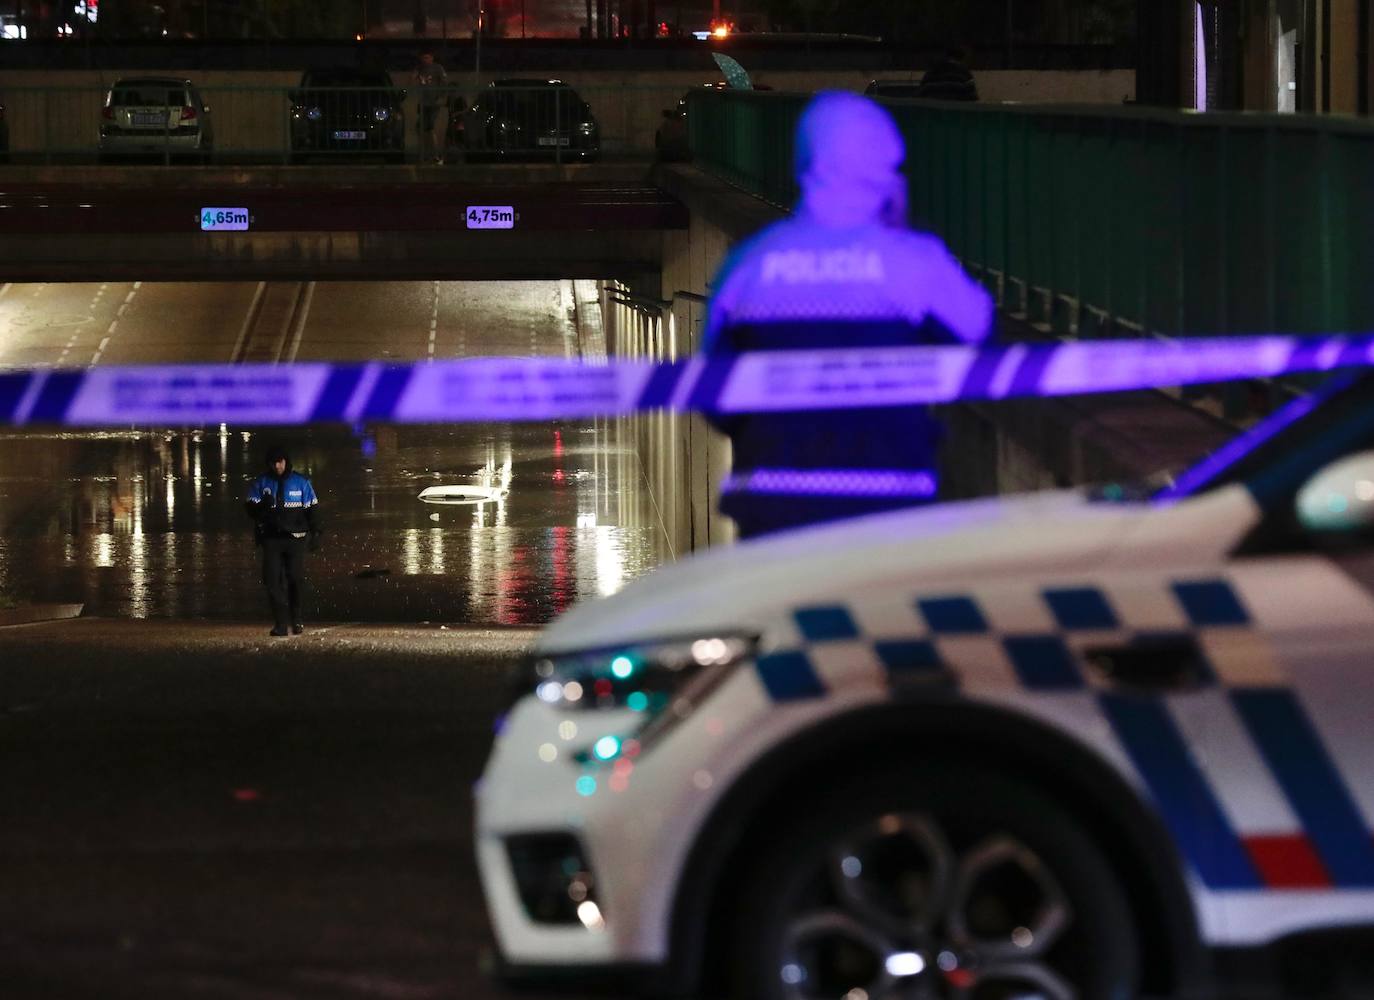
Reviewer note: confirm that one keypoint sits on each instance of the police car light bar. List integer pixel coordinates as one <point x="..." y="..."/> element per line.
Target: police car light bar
<point x="482" y="389"/>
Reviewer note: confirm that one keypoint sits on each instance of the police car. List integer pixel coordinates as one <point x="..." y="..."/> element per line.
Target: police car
<point x="1069" y="745"/>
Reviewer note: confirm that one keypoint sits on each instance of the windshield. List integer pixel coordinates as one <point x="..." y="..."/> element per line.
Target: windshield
<point x="535" y="99"/>
<point x="145" y="95"/>
<point x="1274" y="457"/>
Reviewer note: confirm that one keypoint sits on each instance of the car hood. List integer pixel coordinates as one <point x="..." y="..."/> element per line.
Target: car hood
<point x="738" y="587"/>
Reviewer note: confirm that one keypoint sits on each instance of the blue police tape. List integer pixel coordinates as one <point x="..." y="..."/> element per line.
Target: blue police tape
<point x="482" y="389"/>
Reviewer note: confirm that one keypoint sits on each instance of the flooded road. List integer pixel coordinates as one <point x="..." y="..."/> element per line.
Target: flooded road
<point x="151" y="523"/>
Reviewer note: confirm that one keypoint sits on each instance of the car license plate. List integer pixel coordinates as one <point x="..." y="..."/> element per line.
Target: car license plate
<point x="350" y="135"/>
<point x="548" y="140"/>
<point x="149" y="118"/>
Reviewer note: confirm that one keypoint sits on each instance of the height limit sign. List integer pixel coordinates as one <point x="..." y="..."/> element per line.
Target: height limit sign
<point x="491" y="217"/>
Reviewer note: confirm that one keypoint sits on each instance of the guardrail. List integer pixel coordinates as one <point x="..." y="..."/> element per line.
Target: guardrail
<point x="268" y="124"/>
<point x="1105" y="222"/>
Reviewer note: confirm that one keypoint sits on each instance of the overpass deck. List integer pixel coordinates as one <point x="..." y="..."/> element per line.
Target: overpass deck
<point x="83" y="224"/>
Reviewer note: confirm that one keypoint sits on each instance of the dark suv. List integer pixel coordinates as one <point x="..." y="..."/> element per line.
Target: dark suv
<point x="518" y="119"/>
<point x="343" y="111"/>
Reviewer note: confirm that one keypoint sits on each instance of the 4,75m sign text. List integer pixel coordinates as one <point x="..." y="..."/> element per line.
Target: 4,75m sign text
<point x="491" y="217"/>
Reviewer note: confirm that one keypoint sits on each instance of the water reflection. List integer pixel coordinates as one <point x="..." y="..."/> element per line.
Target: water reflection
<point x="152" y="524"/>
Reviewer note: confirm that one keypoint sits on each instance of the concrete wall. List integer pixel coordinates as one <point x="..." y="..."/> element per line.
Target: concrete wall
<point x="684" y="458"/>
<point x="1343" y="56"/>
<point x="60" y="110"/>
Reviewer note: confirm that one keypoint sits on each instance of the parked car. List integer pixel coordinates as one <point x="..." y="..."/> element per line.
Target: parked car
<point x="1064" y="745"/>
<point x="341" y="112"/>
<point x="514" y="119"/>
<point x="156" y="116"/>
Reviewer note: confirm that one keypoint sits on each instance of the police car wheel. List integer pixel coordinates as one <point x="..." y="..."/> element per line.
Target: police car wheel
<point x="958" y="885"/>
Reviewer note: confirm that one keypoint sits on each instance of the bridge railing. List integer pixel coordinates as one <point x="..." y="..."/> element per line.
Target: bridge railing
<point x="1105" y="221"/>
<point x="265" y="124"/>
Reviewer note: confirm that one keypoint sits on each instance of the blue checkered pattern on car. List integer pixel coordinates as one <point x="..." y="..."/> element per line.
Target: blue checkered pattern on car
<point x="1042" y="661"/>
<point x="953" y="641"/>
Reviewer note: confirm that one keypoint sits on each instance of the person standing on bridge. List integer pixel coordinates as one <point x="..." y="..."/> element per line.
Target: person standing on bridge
<point x="285" y="513"/>
<point x="843" y="271"/>
<point x="432" y="79"/>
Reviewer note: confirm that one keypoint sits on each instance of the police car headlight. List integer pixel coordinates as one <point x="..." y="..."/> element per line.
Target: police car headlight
<point x="651" y="677"/>
<point x="381" y="114"/>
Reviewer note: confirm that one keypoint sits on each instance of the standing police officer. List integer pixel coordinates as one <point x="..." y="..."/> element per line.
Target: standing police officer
<point x="285" y="513"/>
<point x="843" y="271"/>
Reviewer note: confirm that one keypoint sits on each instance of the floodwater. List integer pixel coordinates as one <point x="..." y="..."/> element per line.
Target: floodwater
<point x="152" y="524"/>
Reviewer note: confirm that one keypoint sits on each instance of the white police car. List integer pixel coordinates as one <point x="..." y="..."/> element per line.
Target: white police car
<point x="1062" y="745"/>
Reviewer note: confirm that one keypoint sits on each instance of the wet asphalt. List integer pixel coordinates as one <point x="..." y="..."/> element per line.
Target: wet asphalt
<point x="196" y="810"/>
<point x="153" y="525"/>
<point x="192" y="809"/>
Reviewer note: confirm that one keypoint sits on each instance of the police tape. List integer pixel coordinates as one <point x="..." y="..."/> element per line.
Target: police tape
<point x="515" y="389"/>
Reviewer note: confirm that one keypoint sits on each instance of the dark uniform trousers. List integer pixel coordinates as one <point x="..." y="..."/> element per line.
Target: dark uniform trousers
<point x="283" y="574"/>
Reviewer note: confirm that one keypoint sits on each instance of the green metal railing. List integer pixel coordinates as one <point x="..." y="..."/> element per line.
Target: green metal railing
<point x="1104" y="220"/>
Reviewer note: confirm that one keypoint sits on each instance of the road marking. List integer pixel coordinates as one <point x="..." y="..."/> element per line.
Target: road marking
<point x="253" y="308"/>
<point x="100" y="350"/>
<point x="275" y="323"/>
<point x="71" y="342"/>
<point x="298" y="324"/>
<point x="434" y="321"/>
<point x="114" y="323"/>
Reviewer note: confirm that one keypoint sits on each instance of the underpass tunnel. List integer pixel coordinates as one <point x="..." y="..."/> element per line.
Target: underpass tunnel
<point x="488" y="524"/>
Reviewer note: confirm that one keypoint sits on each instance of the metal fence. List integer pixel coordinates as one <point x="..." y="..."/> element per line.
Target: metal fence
<point x="280" y="124"/>
<point x="1098" y="221"/>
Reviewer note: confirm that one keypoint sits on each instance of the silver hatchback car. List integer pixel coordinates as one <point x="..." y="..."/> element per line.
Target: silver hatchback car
<point x="156" y="116"/>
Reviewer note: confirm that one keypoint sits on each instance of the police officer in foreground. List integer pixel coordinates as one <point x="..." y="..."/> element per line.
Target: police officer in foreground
<point x="842" y="271"/>
<point x="285" y="513"/>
